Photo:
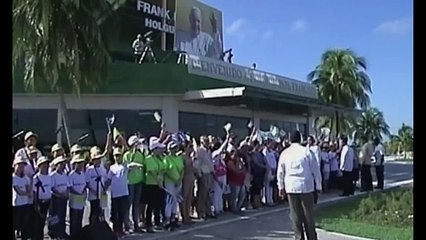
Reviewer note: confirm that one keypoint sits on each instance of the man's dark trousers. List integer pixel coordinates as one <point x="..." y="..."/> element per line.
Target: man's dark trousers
<point x="302" y="215"/>
<point x="366" y="178"/>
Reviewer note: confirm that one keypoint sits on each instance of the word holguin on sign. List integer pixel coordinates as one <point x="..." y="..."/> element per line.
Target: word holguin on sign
<point x="246" y="76"/>
<point x="156" y="16"/>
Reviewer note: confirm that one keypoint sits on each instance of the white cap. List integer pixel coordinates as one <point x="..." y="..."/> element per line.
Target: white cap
<point x="132" y="140"/>
<point x="154" y="143"/>
<point x="29" y="134"/>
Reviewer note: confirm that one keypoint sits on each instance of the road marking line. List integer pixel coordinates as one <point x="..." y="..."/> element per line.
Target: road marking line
<point x="257" y="214"/>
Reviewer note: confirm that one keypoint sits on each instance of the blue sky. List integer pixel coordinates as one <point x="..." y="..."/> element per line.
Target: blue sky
<point x="287" y="37"/>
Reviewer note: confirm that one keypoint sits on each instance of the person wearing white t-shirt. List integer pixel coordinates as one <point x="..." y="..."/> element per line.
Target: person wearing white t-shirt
<point x="95" y="177"/>
<point x="58" y="208"/>
<point x="313" y="146"/>
<point x="42" y="188"/>
<point x="334" y="167"/>
<point x="346" y="167"/>
<point x="271" y="168"/>
<point x="21" y="190"/>
<point x="77" y="181"/>
<point x="30" y="140"/>
<point x="379" y="155"/>
<point x="117" y="180"/>
<point x="325" y="160"/>
<point x="30" y="168"/>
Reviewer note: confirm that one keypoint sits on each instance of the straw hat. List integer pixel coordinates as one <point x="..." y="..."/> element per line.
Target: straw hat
<point x="77" y="159"/>
<point x="56" y="147"/>
<point x="42" y="160"/>
<point x="58" y="160"/>
<point x="95" y="153"/>
<point x="18" y="160"/>
<point x="32" y="149"/>
<point x="76" y="148"/>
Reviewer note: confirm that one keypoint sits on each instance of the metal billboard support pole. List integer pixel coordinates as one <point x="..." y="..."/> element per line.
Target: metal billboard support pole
<point x="163" y="34"/>
<point x="63" y="108"/>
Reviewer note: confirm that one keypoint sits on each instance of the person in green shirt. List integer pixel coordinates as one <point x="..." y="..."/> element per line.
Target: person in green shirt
<point x="135" y="179"/>
<point x="154" y="174"/>
<point x="173" y="184"/>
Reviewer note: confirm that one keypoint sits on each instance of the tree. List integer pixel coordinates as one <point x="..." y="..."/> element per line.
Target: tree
<point x="60" y="41"/>
<point x="404" y="140"/>
<point x="341" y="79"/>
<point x="370" y="125"/>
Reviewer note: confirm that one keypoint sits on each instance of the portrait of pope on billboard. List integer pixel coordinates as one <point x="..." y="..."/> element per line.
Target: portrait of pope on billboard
<point x="194" y="35"/>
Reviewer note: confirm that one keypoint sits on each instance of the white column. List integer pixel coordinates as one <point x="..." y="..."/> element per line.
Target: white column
<point x="170" y="113"/>
<point x="256" y="121"/>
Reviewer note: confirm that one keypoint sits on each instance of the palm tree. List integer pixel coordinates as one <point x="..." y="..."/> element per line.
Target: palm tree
<point x="404" y="140"/>
<point x="370" y="125"/>
<point x="341" y="79"/>
<point x="60" y="42"/>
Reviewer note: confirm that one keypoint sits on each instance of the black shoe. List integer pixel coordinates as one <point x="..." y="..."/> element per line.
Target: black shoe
<point x="175" y="224"/>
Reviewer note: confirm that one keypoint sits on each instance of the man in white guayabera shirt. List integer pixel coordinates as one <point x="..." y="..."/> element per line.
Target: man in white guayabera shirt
<point x="296" y="173"/>
<point x="197" y="42"/>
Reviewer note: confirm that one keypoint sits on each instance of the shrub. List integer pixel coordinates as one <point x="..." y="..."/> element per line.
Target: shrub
<point x="394" y="208"/>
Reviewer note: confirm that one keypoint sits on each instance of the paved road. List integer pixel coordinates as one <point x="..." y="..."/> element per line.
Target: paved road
<point x="396" y="171"/>
<point x="272" y="226"/>
<point x="267" y="227"/>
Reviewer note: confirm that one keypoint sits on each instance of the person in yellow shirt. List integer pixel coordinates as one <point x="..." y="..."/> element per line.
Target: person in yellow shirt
<point x="154" y="182"/>
<point x="173" y="184"/>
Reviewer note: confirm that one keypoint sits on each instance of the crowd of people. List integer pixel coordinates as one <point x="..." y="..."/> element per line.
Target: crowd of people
<point x="164" y="181"/>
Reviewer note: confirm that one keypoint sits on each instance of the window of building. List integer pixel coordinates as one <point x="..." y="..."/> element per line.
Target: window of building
<point x="203" y="124"/>
<point x="94" y="123"/>
<point x="41" y="121"/>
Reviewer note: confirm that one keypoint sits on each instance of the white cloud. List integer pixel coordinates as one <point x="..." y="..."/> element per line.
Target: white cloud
<point x="268" y="34"/>
<point x="236" y="27"/>
<point x="299" y="25"/>
<point x="397" y="27"/>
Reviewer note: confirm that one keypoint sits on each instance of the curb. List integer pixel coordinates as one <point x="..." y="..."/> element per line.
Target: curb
<point x="320" y="203"/>
<point x="343" y="235"/>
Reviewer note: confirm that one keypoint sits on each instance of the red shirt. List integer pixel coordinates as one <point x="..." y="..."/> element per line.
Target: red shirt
<point x="235" y="175"/>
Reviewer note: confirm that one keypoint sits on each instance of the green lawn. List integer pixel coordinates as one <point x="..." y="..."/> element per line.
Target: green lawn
<point x="370" y="216"/>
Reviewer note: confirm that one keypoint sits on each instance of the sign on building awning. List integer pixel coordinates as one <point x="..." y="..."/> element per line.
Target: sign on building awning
<point x="245" y="76"/>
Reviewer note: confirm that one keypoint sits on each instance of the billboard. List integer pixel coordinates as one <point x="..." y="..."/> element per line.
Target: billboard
<point x="198" y="29"/>
<point x="135" y="17"/>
